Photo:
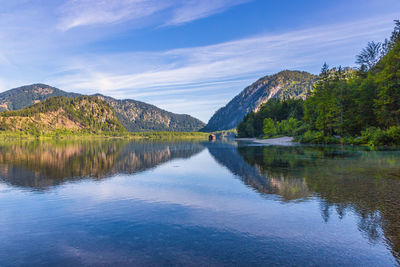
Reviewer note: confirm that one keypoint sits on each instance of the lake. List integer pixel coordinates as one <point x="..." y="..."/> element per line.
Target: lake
<point x="123" y="203"/>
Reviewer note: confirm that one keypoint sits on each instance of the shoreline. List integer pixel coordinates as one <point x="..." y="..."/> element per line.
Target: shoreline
<point x="162" y="135"/>
<point x="279" y="141"/>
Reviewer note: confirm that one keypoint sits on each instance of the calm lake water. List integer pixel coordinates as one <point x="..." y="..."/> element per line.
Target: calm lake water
<point x="197" y="203"/>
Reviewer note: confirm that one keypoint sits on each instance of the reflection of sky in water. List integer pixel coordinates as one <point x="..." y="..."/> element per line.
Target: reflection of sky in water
<point x="186" y="211"/>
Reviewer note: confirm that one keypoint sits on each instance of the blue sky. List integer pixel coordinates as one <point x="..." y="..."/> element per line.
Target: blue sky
<point x="186" y="56"/>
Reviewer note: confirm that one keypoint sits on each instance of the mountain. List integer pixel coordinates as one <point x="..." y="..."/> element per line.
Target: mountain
<point x="27" y="95"/>
<point x="83" y="113"/>
<point x="134" y="115"/>
<point x="285" y="84"/>
<point x="137" y="116"/>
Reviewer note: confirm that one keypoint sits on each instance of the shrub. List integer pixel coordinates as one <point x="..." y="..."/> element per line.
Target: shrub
<point x="378" y="137"/>
<point x="393" y="135"/>
<point x="317" y="137"/>
<point x="312" y="137"/>
<point x="270" y="128"/>
<point x="301" y="130"/>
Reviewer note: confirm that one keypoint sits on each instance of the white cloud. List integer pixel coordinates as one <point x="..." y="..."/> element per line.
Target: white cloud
<point x="32" y="49"/>
<point x="220" y="70"/>
<point x="194" y="9"/>
<point x="75" y="13"/>
<point x="89" y="12"/>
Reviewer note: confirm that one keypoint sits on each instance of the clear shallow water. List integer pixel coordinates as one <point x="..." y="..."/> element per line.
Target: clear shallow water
<point x="188" y="203"/>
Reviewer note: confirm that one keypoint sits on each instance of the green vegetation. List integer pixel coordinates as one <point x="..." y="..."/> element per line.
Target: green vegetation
<point x="63" y="115"/>
<point x="350" y="106"/>
<point x="285" y="127"/>
<point x="84" y="135"/>
<point x="82" y="117"/>
<point x="273" y="119"/>
<point x="135" y="116"/>
<point x="296" y="83"/>
<point x="66" y="134"/>
<point x="283" y="85"/>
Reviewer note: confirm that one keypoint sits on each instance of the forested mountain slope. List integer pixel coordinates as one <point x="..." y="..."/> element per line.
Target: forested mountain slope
<point x="138" y="116"/>
<point x="83" y="113"/>
<point x="285" y="84"/>
<point x="134" y="115"/>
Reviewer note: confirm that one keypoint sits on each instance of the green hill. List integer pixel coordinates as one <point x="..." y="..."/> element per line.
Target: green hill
<point x="79" y="114"/>
<point x="134" y="115"/>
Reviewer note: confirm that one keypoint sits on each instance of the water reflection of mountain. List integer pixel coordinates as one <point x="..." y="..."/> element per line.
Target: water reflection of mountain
<point x="229" y="155"/>
<point x="364" y="182"/>
<point x="43" y="164"/>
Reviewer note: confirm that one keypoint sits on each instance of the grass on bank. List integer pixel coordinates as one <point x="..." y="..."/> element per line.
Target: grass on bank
<point x="67" y="134"/>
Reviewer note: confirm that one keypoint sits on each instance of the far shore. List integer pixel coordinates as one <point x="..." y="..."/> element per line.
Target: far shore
<point x="162" y="135"/>
<point x="280" y="141"/>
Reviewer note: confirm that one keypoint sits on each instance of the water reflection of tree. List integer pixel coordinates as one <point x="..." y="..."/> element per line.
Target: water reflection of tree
<point x="245" y="167"/>
<point x="43" y="164"/>
<point x="365" y="182"/>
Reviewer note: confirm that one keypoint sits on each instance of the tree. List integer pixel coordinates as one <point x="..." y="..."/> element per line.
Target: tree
<point x="269" y="127"/>
<point x="275" y="109"/>
<point x="394" y="38"/>
<point x="387" y="104"/>
<point x="324" y="71"/>
<point x="370" y="55"/>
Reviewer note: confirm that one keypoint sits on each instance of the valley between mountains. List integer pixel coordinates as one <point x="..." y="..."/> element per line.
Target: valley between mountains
<point x="41" y="108"/>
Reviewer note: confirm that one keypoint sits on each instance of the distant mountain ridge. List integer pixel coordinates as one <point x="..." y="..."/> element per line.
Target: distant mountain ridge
<point x="285" y="84"/>
<point x="140" y="116"/>
<point x="134" y="115"/>
<point x="28" y="95"/>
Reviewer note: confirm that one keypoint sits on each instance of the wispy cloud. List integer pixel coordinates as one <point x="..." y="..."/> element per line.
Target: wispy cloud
<point x="196" y="80"/>
<point x="193" y="9"/>
<point x="75" y="13"/>
<point x="224" y="69"/>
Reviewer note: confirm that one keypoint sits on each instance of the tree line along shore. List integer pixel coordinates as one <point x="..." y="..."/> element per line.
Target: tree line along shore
<point x="346" y="105"/>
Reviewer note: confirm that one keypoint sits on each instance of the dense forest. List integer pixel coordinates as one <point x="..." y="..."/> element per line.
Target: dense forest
<point x="357" y="106"/>
<point x="276" y="111"/>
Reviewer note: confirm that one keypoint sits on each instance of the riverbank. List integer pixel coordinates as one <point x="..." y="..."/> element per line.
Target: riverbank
<point x="5" y="135"/>
<point x="279" y="141"/>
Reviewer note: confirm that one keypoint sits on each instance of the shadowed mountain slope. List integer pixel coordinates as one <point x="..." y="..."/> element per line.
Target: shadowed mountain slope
<point x="285" y="84"/>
